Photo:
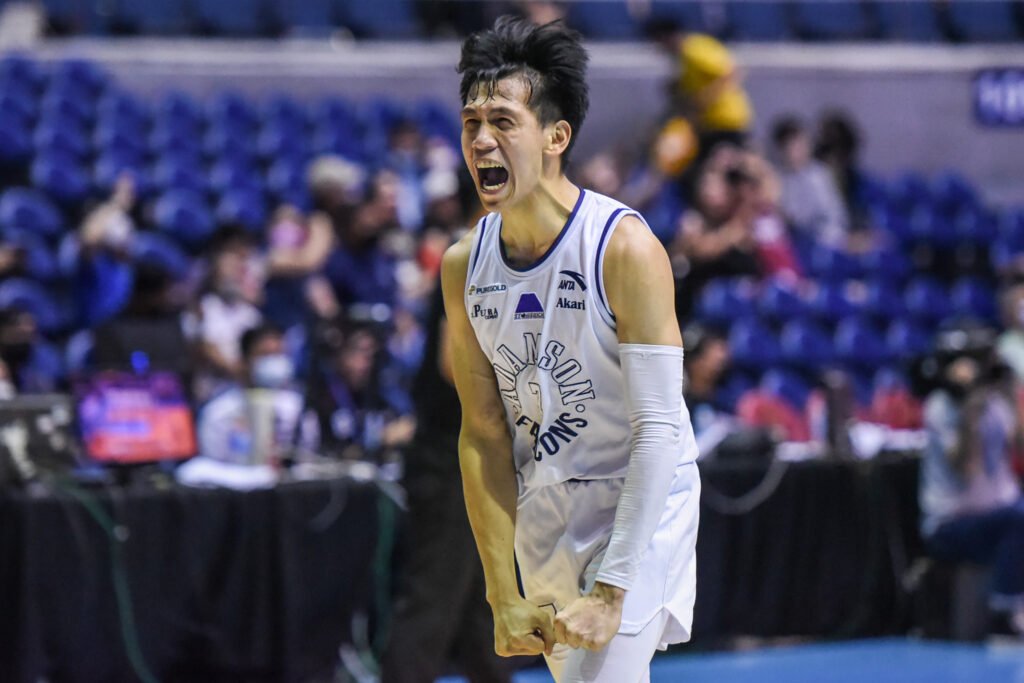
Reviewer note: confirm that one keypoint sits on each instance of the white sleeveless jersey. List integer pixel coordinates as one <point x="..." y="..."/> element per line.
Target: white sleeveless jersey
<point x="550" y="336"/>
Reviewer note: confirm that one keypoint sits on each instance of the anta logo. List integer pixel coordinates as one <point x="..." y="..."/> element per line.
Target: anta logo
<point x="529" y="307"/>
<point x="475" y="290"/>
<point x="571" y="304"/>
<point x="574" y="280"/>
<point x="485" y="312"/>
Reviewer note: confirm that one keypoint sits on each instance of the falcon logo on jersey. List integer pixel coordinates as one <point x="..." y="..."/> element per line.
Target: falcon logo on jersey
<point x="529" y="307"/>
<point x="575" y="281"/>
<point x="480" y="290"/>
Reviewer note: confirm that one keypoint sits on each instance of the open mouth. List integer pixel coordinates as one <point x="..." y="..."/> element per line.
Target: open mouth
<point x="492" y="175"/>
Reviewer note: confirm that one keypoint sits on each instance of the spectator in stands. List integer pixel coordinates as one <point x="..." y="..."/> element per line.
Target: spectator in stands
<point x="33" y="365"/>
<point x="360" y="270"/>
<point x="12" y="260"/>
<point x="297" y="249"/>
<point x="8" y="390"/>
<point x="262" y="419"/>
<point x="405" y="160"/>
<point x="103" y="274"/>
<point x="717" y="237"/>
<point x="810" y="200"/>
<point x="359" y="416"/>
<point x="708" y="91"/>
<point x="226" y="308"/>
<point x="149" y="333"/>
<point x="837" y="145"/>
<point x="971" y="504"/>
<point x="441" y="608"/>
<point x="1010" y="346"/>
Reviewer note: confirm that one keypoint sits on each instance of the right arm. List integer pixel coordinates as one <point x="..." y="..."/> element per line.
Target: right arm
<point x="488" y="470"/>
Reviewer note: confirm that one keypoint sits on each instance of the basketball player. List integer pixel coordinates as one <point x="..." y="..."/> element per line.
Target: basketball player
<point x="576" y="452"/>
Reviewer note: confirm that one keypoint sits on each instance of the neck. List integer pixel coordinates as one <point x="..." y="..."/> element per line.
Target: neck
<point x="530" y="226"/>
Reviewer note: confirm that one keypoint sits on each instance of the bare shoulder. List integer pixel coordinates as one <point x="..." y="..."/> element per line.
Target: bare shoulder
<point x="454" y="267"/>
<point x="633" y="246"/>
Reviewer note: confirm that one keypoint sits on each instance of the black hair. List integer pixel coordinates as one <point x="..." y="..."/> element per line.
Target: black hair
<point x="550" y="58"/>
<point x="254" y="335"/>
<point x="785" y="129"/>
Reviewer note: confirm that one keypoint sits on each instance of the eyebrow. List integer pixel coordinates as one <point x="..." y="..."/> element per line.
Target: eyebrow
<point x="468" y="110"/>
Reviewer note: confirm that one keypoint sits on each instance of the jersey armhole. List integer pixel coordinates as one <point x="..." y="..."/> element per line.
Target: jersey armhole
<point x="604" y="307"/>
<point x="478" y="241"/>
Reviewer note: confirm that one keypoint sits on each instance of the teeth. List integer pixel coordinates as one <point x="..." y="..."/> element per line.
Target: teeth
<point x="488" y="164"/>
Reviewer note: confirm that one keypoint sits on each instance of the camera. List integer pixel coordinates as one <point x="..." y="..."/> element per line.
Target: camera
<point x="963" y="358"/>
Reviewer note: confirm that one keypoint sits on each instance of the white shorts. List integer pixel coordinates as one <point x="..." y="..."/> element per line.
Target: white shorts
<point x="626" y="659"/>
<point x="562" y="532"/>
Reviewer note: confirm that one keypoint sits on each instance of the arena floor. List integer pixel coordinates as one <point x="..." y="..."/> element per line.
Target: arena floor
<point x="877" y="661"/>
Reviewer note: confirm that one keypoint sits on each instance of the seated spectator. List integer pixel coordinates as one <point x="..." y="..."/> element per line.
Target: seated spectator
<point x="971" y="504"/>
<point x="151" y="325"/>
<point x="1010" y="345"/>
<point x="262" y="419"/>
<point x="405" y="160"/>
<point x="358" y="418"/>
<point x="226" y="308"/>
<point x="717" y="238"/>
<point x="810" y="200"/>
<point x="837" y="145"/>
<point x="32" y="364"/>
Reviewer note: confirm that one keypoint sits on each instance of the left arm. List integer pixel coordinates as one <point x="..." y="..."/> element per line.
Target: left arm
<point x="640" y="288"/>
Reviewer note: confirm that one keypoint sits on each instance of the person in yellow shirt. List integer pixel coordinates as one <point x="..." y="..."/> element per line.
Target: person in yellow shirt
<point x="708" y="102"/>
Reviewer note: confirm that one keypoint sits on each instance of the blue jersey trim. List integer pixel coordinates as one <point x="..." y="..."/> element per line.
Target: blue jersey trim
<point x="599" y="279"/>
<point x="554" y="245"/>
<point x="479" y="243"/>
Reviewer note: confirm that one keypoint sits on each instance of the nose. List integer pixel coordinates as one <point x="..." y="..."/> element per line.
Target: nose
<point x="484" y="140"/>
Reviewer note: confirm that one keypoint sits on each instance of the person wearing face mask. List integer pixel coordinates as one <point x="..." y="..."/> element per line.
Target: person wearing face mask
<point x="263" y="419"/>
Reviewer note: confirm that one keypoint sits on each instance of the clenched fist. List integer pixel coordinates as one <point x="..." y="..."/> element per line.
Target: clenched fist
<point x="591" y="621"/>
<point x="522" y="628"/>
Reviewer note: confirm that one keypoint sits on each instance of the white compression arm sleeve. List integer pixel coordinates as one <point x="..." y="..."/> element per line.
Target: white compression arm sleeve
<point x="653" y="378"/>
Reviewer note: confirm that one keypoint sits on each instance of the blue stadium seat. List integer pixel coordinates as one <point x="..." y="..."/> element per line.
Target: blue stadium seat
<point x="232" y="110"/>
<point x="178" y="174"/>
<point x="340" y="140"/>
<point x="909" y="191"/>
<point x="19" y="105"/>
<point x="974" y="225"/>
<point x="380" y="18"/>
<point x="286" y="182"/>
<point x="113" y="139"/>
<point x="828" y="263"/>
<point x="788" y="386"/>
<point x="184" y="216"/>
<point x="926" y="300"/>
<point x="883" y="299"/>
<point x="974" y="298"/>
<point x="40" y="261"/>
<point x="229" y="143"/>
<point x="753" y="345"/>
<point x="280" y="141"/>
<point x="906" y="339"/>
<point x="983" y="22"/>
<point x="952" y="193"/>
<point x="109" y="167"/>
<point x="161" y="252"/>
<point x="123" y="109"/>
<point x="604" y="19"/>
<point x="908" y="20"/>
<point x="79" y="78"/>
<point x="834" y="300"/>
<point x="15" y="142"/>
<point x="245" y="18"/>
<point x="282" y="111"/>
<point x="884" y="263"/>
<point x="725" y="300"/>
<point x="180" y="110"/>
<point x="781" y="301"/>
<point x="806" y="345"/>
<point x="759" y="20"/>
<point x="436" y="119"/>
<point x="20" y="70"/>
<point x="26" y="209"/>
<point x="62" y="178"/>
<point x="226" y="175"/>
<point x="33" y="297"/>
<point x="59" y="109"/>
<point x="336" y="112"/>
<point x="931" y="227"/>
<point x="153" y="17"/>
<point x="859" y="344"/>
<point x="243" y="207"/>
<point x="68" y="140"/>
<point x="831" y="19"/>
<point x="170" y="142"/>
<point x="732" y="387"/>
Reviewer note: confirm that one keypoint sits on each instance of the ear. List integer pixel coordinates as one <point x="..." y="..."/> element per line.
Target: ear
<point x="558" y="136"/>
